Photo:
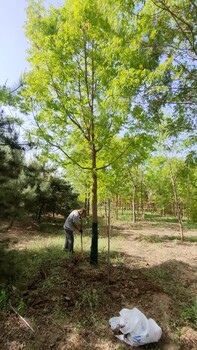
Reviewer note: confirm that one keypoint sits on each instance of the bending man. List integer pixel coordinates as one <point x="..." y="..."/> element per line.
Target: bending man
<point x="72" y="223"/>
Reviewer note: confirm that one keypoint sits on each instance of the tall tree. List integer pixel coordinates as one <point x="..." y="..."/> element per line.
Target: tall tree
<point x="86" y="69"/>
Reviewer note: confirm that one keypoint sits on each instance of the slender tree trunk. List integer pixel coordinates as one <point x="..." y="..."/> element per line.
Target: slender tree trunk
<point x="178" y="209"/>
<point x="108" y="236"/>
<point x="87" y="206"/>
<point x="188" y="200"/>
<point x="94" y="244"/>
<point x="133" y="204"/>
<point x="40" y="210"/>
<point x="117" y="205"/>
<point x="87" y="201"/>
<point x="105" y="210"/>
<point x="11" y="223"/>
<point x="141" y="198"/>
<point x="53" y="211"/>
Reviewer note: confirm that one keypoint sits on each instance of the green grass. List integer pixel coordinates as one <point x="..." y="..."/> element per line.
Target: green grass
<point x="190" y="226"/>
<point x="3" y="298"/>
<point x="126" y="216"/>
<point x="27" y="258"/>
<point x="160" y="239"/>
<point x="163" y="276"/>
<point x="159" y="218"/>
<point x="160" y="274"/>
<point x="189" y="312"/>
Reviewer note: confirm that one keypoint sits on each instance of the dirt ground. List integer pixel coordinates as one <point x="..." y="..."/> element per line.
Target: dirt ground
<point x="157" y="276"/>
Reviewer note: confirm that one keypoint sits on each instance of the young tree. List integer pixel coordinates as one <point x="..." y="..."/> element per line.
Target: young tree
<point x="87" y="67"/>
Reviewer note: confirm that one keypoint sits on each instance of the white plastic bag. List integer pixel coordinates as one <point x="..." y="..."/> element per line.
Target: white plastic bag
<point x="136" y="329"/>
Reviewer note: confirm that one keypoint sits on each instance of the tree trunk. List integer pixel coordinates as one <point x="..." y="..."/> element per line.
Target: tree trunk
<point x="105" y="210"/>
<point x="141" y="197"/>
<point x="11" y="223"/>
<point x="88" y="204"/>
<point x="188" y="200"/>
<point x="39" y="214"/>
<point x="133" y="204"/>
<point x="94" y="244"/>
<point x="178" y="209"/>
<point x="117" y="205"/>
<point x="134" y="194"/>
<point x="108" y="236"/>
<point x="40" y="210"/>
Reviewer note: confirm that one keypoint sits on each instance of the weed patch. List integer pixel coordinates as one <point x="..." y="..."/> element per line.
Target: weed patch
<point x="189" y="312"/>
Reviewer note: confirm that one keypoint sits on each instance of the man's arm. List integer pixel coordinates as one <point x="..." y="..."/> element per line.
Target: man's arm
<point x="77" y="226"/>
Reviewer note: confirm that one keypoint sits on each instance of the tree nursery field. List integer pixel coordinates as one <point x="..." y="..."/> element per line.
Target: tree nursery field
<point x="51" y="300"/>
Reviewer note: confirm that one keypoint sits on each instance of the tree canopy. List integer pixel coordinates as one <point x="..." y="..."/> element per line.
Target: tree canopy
<point x="104" y="71"/>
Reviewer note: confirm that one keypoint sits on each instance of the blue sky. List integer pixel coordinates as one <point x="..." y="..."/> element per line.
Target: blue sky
<point x="13" y="44"/>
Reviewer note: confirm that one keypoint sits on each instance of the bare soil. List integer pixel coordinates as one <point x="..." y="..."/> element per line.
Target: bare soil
<point x="149" y="271"/>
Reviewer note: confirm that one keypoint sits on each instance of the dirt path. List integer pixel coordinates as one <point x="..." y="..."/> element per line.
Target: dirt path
<point x="136" y="245"/>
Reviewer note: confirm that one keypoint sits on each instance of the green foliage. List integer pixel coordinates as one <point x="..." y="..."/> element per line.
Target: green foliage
<point x="102" y="70"/>
<point x="189" y="312"/>
<point x="22" y="307"/>
<point x="8" y="266"/>
<point x="11" y="155"/>
<point x="160" y="274"/>
<point x="3" y="298"/>
<point x="91" y="80"/>
<point x="158" y="180"/>
<point x="193" y="210"/>
<point x="89" y="298"/>
<point x="44" y="192"/>
<point x="62" y="199"/>
<point x="175" y="23"/>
